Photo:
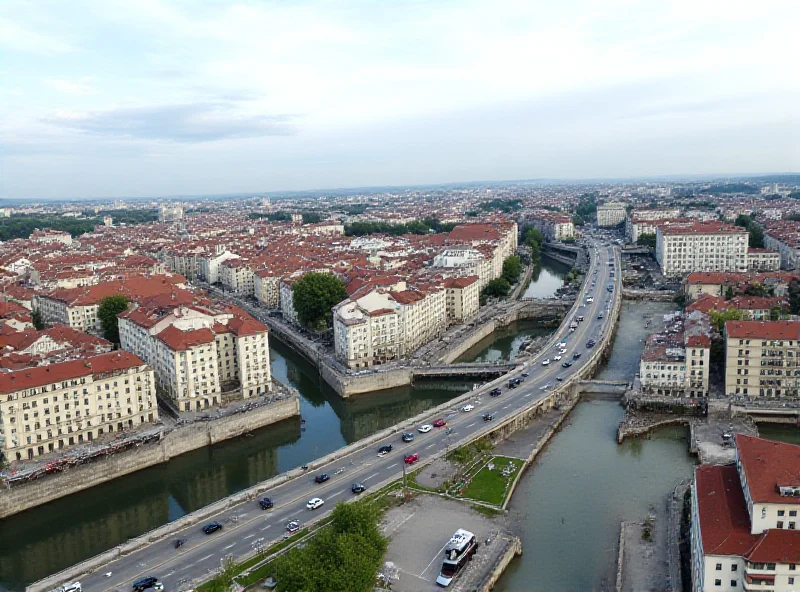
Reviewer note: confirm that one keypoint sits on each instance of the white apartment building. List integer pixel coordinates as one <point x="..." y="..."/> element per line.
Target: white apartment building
<point x="784" y="237"/>
<point x="49" y="408"/>
<point x="701" y="247"/>
<point x="763" y="260"/>
<point x="553" y="225"/>
<point x="52" y="236"/>
<point x="762" y="359"/>
<point x="643" y="222"/>
<point x="210" y="264"/>
<point x="744" y="520"/>
<point x="237" y="276"/>
<point x="467" y="261"/>
<point x="201" y="356"/>
<point x="463" y="298"/>
<point x="267" y="287"/>
<point x="611" y="213"/>
<point x="170" y="213"/>
<point x="287" y="298"/>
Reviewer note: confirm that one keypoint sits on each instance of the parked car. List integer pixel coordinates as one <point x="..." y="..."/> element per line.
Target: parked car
<point x="559" y="378"/>
<point x="468" y="408"/>
<point x="213" y="527"/>
<point x="408" y="437"/>
<point x="358" y="488"/>
<point x="556" y="358"/>
<point x="410" y="459"/>
<point x="321" y="478"/>
<point x="293" y="526"/>
<point x="439" y="423"/>
<point x="546" y="363"/>
<point x="144" y="583"/>
<point x="314" y="503"/>
<point x="525" y="375"/>
<point x="496" y="392"/>
<point x="424" y="429"/>
<point x="385" y="449"/>
<point x="600" y="316"/>
<point x="265" y="503"/>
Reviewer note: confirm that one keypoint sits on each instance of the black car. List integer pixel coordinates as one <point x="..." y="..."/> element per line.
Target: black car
<point x="525" y="375"/>
<point x="566" y="364"/>
<point x="496" y="392"/>
<point x="213" y="527"/>
<point x="265" y="503"/>
<point x="145" y="583"/>
<point x="321" y="478"/>
<point x="512" y="385"/>
<point x="357" y="488"/>
<point x="179" y="543"/>
<point x="488" y="417"/>
<point x="590" y="344"/>
<point x="559" y="378"/>
<point x="600" y="316"/>
<point x="385" y="449"/>
<point x="575" y="356"/>
<point x="409" y="437"/>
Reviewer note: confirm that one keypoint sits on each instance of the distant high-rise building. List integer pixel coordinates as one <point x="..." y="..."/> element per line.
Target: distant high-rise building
<point x="170" y="213"/>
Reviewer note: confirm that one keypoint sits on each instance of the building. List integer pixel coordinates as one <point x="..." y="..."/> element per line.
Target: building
<point x="554" y="226"/>
<point x="701" y="247"/>
<point x="744" y="520"/>
<point x="49" y="408"/>
<point x="463" y="298"/>
<point x="761" y="359"/>
<point x="611" y="213"/>
<point x="466" y="261"/>
<point x="643" y="222"/>
<point x="202" y="356"/>
<point x="784" y="236"/>
<point x="209" y="264"/>
<point x="754" y="308"/>
<point x="763" y="260"/>
<point x="170" y="213"/>
<point x="46" y="237"/>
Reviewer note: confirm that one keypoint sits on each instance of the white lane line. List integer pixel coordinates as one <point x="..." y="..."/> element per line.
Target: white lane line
<point x="228" y="547"/>
<point x="472" y="424"/>
<point x="249" y="536"/>
<point x="432" y="560"/>
<point x="506" y="407"/>
<point x="206" y="557"/>
<point x="526" y="396"/>
<point x="266" y="527"/>
<point x="430" y="446"/>
<point x="371" y="476"/>
<point x="186" y="567"/>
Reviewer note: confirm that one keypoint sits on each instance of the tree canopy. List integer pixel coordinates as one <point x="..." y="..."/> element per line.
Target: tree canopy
<point x="647" y="240"/>
<point x="496" y="288"/>
<point x="756" y="240"/>
<point x="720" y="317"/>
<point x="512" y="268"/>
<point x="533" y="239"/>
<point x="425" y="226"/>
<point x="110" y="307"/>
<point x="346" y="555"/>
<point x="314" y="295"/>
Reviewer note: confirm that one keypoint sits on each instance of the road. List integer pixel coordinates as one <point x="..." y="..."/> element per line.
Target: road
<point x="245" y="525"/>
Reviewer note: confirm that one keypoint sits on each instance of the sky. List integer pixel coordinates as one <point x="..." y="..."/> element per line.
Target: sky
<point x="149" y="98"/>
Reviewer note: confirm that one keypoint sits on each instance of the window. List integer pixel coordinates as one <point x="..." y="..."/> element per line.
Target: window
<point x="719" y="567"/>
<point x="791" y="526"/>
<point x="792" y="512"/>
<point x="781" y="512"/>
<point x="733" y="583"/>
<point x="718" y="582"/>
<point x="780" y="524"/>
<point x="734" y="567"/>
<point x="791" y="580"/>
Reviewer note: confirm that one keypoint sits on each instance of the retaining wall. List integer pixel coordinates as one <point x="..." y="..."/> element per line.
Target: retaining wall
<point x="513" y="549"/>
<point x="173" y="443"/>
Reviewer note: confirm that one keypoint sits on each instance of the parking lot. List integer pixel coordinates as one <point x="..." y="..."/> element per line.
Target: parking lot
<point x="420" y="529"/>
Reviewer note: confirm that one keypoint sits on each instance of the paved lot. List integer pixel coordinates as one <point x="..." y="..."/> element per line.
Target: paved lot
<point x="419" y="531"/>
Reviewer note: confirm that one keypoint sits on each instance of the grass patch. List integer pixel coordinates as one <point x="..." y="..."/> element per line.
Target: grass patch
<point x="491" y="486"/>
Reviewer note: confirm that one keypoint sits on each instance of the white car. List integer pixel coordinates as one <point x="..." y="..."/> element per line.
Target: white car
<point x="314" y="503"/>
<point x="557" y="358"/>
<point x="546" y="363"/>
<point x="293" y="526"/>
<point x="424" y="429"/>
<point x="561" y="345"/>
<point x="468" y="408"/>
<point x="562" y="351"/>
<point x="590" y="299"/>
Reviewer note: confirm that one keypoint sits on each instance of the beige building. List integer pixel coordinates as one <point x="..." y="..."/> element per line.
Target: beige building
<point x="611" y="213"/>
<point x="701" y="247"/>
<point x="267" y="287"/>
<point x="463" y="298"/>
<point x="237" y="276"/>
<point x="553" y="225"/>
<point x="201" y="356"/>
<point x="643" y="222"/>
<point x="761" y="359"/>
<point x="49" y="408"/>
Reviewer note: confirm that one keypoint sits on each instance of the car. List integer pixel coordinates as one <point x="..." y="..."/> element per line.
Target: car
<point x="293" y="526"/>
<point x="424" y="429"/>
<point x="468" y="408"/>
<point x="496" y="392"/>
<point x="179" y="543"/>
<point x="358" y="488"/>
<point x="144" y="583"/>
<point x="408" y="437"/>
<point x="158" y="587"/>
<point x="410" y="459"/>
<point x="576" y="355"/>
<point x="314" y="503"/>
<point x="590" y="345"/>
<point x="213" y="527"/>
<point x="559" y="378"/>
<point x="556" y="358"/>
<point x="572" y="329"/>
<point x="71" y="587"/>
<point x="561" y="345"/>
<point x="600" y="316"/>
<point x="512" y="385"/>
<point x="546" y="363"/>
<point x="439" y="423"/>
<point x="385" y="449"/>
<point x="590" y="299"/>
<point x="562" y="351"/>
<point x="566" y="364"/>
<point x="265" y="503"/>
<point x="525" y="375"/>
<point x="488" y="417"/>
<point x="580" y="319"/>
<point x="321" y="478"/>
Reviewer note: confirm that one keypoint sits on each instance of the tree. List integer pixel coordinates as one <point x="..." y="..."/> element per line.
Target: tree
<point x="794" y="296"/>
<point x="647" y="240"/>
<point x="756" y="240"/>
<point x="224" y="579"/>
<point x="314" y="295"/>
<point x="512" y="268"/>
<point x="720" y="317"/>
<point x="110" y="307"/>
<point x="756" y="289"/>
<point x="36" y="319"/>
<point x="775" y="313"/>
<point x="729" y="293"/>
<point x="279" y="216"/>
<point x="577" y="220"/>
<point x="496" y="288"/>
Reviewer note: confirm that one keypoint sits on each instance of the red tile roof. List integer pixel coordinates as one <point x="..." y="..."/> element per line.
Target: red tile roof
<point x="789" y="330"/>
<point x="767" y="465"/>
<point x="178" y="340"/>
<point x="776" y="546"/>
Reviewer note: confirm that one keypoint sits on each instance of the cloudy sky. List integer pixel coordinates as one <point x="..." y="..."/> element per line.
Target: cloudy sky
<point x="122" y="98"/>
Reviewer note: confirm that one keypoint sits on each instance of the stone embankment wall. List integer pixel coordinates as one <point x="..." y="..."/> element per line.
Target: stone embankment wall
<point x="513" y="549"/>
<point x="652" y="295"/>
<point x="173" y="443"/>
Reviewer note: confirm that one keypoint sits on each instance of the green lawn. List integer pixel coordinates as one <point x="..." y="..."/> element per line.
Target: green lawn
<point x="490" y="486"/>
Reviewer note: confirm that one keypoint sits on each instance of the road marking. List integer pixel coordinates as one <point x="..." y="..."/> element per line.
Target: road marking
<point x="472" y="424"/>
<point x="526" y="396"/>
<point x="204" y="558"/>
<point x="507" y="406"/>
<point x="186" y="567"/>
<point x="432" y="560"/>
<point x="371" y="476"/>
<point x="228" y="547"/>
<point x="430" y="445"/>
<point x="266" y="527"/>
<point x="249" y="536"/>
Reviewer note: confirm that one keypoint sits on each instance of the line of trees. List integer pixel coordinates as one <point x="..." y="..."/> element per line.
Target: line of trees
<point x="647" y="239"/>
<point x="533" y="239"/>
<point x="107" y="312"/>
<point x="428" y="225"/>
<point x="756" y="239"/>
<point x="21" y="226"/>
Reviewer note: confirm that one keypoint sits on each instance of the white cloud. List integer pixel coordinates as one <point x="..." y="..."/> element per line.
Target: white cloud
<point x="74" y="87"/>
<point x="18" y="38"/>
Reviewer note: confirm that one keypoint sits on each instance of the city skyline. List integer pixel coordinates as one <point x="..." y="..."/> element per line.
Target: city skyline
<point x="167" y="99"/>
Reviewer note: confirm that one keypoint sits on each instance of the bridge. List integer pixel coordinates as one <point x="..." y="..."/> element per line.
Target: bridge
<point x="608" y="387"/>
<point x="466" y="370"/>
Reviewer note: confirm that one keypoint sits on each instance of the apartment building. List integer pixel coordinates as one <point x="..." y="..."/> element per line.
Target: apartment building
<point x="463" y="298"/>
<point x="717" y="283"/>
<point x="236" y="275"/>
<point x="202" y="356"/>
<point x="466" y="261"/>
<point x="267" y="287"/>
<point x="784" y="237"/>
<point x="744" y="520"/>
<point x="611" y="213"/>
<point x="210" y="264"/>
<point x="761" y="359"/>
<point x="554" y="226"/>
<point x="170" y="213"/>
<point x="48" y="408"/>
<point x="184" y="259"/>
<point x="52" y="236"/>
<point x="754" y="308"/>
<point x="763" y="260"/>
<point x="701" y="247"/>
<point x="643" y="221"/>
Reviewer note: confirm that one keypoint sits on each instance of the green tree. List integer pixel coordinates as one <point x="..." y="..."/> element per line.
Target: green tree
<point x="314" y="295"/>
<point x="647" y="240"/>
<point x="775" y="313"/>
<point x="720" y="317"/>
<point x="279" y="216"/>
<point x="496" y="288"/>
<point x="729" y="293"/>
<point x="36" y="319"/>
<point x="512" y="268"/>
<point x="223" y="581"/>
<point x="794" y="296"/>
<point x="756" y="240"/>
<point x="311" y="217"/>
<point x="578" y="220"/>
<point x="756" y="289"/>
<point x="109" y="308"/>
<point x="533" y="235"/>
<point x="716" y="355"/>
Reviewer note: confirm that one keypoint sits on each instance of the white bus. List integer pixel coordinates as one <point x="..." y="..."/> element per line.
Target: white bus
<point x="458" y="551"/>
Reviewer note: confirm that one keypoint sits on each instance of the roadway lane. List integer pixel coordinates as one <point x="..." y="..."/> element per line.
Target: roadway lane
<point x="245" y="525"/>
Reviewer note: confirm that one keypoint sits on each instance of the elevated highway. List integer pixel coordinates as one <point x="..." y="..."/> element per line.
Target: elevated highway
<point x="245" y="525"/>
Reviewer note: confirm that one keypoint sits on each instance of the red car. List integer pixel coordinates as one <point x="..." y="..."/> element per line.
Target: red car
<point x="439" y="423"/>
<point x="411" y="459"/>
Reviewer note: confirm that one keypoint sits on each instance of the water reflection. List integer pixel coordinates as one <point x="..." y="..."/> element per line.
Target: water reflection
<point x="547" y="277"/>
<point x="504" y="344"/>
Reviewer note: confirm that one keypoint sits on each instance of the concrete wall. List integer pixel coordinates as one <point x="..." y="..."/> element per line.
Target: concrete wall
<point x="173" y="443"/>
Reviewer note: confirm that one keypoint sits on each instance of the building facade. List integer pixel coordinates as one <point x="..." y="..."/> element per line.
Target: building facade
<point x="611" y="214"/>
<point x="701" y="247"/>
